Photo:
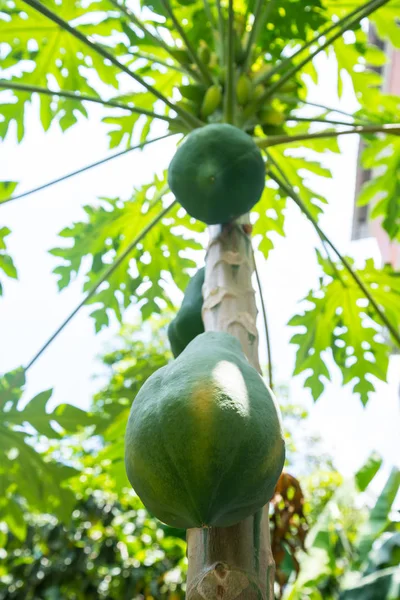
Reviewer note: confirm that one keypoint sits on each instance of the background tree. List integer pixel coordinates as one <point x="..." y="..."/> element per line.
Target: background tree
<point x="186" y="65"/>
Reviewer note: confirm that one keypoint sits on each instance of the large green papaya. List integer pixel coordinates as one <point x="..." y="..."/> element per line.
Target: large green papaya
<point x="217" y="174"/>
<point x="204" y="444"/>
<point x="188" y="321"/>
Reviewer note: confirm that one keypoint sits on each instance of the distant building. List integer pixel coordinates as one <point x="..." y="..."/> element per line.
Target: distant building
<point x="362" y="226"/>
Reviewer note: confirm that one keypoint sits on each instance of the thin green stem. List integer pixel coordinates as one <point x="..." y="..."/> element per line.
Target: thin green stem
<point x="267" y="336"/>
<point x="155" y="38"/>
<point x="210" y="16"/>
<point x="292" y="194"/>
<point x="348" y="23"/>
<point x="189" y="46"/>
<point x="158" y="61"/>
<point x="293" y="100"/>
<point x="276" y="140"/>
<point x="261" y="13"/>
<point x="340" y="23"/>
<point x="230" y="91"/>
<point x="108" y="272"/>
<point x="83" y="169"/>
<point x="318" y="120"/>
<point x="221" y="33"/>
<point x="22" y="87"/>
<point x="184" y="114"/>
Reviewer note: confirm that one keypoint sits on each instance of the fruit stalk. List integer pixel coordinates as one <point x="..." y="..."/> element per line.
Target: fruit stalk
<point x="231" y="562"/>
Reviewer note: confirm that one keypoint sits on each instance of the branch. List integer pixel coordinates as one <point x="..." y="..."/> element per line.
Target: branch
<point x="280" y="66"/>
<point x="189" y="47"/>
<point x="22" y="87"/>
<point x="221" y="32"/>
<point x="210" y="16"/>
<point x="319" y="120"/>
<point x="156" y="39"/>
<point x="276" y="140"/>
<point x="261" y="14"/>
<point x="374" y="5"/>
<point x="157" y="61"/>
<point x="230" y="92"/>
<point x="267" y="337"/>
<point x="109" y="271"/>
<point x="184" y="114"/>
<point x="292" y="194"/>
<point x="83" y="169"/>
<point x="290" y="100"/>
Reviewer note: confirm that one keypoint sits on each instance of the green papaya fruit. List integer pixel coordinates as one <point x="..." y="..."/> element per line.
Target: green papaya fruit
<point x="211" y="100"/>
<point x="204" y="445"/>
<point x="217" y="174"/>
<point x="271" y="116"/>
<point x="188" y="322"/>
<point x="244" y="89"/>
<point x="204" y="53"/>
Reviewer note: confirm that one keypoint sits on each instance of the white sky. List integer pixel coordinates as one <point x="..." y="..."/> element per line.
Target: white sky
<point x="32" y="308"/>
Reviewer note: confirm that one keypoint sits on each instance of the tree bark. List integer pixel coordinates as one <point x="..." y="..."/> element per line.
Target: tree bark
<point x="227" y="563"/>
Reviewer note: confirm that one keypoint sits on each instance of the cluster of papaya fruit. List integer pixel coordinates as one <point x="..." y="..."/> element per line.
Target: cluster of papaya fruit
<point x="206" y="102"/>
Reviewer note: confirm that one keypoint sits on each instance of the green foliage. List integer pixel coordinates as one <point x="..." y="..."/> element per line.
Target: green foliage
<point x="383" y="190"/>
<point x="109" y="229"/>
<point x="30" y="478"/>
<point x="110" y="549"/>
<point x="364" y="476"/>
<point x="341" y="558"/>
<point x="6" y="262"/>
<point x="6" y="189"/>
<point x="340" y="319"/>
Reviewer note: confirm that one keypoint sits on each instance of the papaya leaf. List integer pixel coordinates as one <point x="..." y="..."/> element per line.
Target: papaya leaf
<point x="29" y="476"/>
<point x="339" y="323"/>
<point x="6" y="262"/>
<point x="163" y="254"/>
<point x="382" y="191"/>
<point x="365" y="475"/>
<point x="378" y="518"/>
<point x="270" y="212"/>
<point x="383" y="584"/>
<point x="6" y="190"/>
<point x="296" y="170"/>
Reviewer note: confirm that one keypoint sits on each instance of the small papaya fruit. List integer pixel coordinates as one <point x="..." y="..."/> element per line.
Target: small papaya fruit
<point x="271" y="116"/>
<point x="204" y="445"/>
<point x="204" y="52"/>
<point x="211" y="100"/>
<point x="244" y="89"/>
<point x="288" y="86"/>
<point x="188" y="322"/>
<point x="258" y="91"/>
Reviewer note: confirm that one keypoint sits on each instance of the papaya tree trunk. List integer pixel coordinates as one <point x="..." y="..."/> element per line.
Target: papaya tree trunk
<point x="231" y="562"/>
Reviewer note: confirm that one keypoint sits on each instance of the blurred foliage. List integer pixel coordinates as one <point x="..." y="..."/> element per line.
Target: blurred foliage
<point x="104" y="544"/>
